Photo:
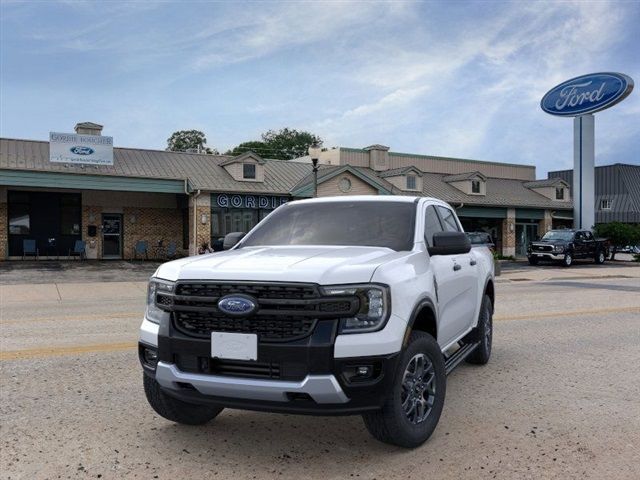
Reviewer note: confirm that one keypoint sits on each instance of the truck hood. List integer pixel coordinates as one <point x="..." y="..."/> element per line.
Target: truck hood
<point x="314" y="264"/>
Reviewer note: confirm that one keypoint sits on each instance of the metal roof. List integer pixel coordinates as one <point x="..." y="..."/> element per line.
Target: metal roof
<point x="547" y="182"/>
<point x="205" y="172"/>
<point x="202" y="171"/>
<point x="619" y="184"/>
<point x="463" y="176"/>
<point x="499" y="192"/>
<point x="394" y="172"/>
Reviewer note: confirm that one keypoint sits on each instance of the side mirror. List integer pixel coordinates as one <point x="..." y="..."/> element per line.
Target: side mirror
<point x="232" y="239"/>
<point x="449" y="243"/>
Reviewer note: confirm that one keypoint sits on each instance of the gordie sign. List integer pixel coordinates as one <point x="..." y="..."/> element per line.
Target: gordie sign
<point x="587" y="94"/>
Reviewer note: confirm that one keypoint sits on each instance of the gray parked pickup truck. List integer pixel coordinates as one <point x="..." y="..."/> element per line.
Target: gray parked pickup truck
<point x="565" y="246"/>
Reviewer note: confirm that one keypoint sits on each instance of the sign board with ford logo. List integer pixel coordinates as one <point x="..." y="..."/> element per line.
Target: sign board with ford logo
<point x="587" y="94"/>
<point x="80" y="149"/>
<point x="580" y="98"/>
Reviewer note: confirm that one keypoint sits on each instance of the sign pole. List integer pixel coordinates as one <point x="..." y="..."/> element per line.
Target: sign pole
<point x="583" y="171"/>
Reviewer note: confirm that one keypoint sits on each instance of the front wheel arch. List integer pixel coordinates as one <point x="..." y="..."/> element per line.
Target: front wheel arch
<point x="423" y="319"/>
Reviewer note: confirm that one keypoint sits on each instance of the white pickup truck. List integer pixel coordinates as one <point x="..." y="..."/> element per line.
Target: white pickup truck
<point x="332" y="306"/>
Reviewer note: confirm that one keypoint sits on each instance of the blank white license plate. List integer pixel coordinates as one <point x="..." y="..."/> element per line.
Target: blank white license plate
<point x="234" y="346"/>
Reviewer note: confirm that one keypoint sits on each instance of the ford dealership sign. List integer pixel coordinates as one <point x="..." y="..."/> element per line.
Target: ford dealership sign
<point x="587" y="94"/>
<point x="80" y="149"/>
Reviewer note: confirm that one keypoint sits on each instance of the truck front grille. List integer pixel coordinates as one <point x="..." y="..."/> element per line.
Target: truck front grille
<point x="543" y="248"/>
<point x="286" y="311"/>
<point x="269" y="328"/>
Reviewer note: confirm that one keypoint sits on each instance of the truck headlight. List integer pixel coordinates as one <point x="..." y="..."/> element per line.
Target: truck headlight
<point x="559" y="248"/>
<point x="375" y="305"/>
<point x="154" y="313"/>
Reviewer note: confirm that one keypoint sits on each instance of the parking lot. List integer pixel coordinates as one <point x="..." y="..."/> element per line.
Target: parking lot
<point x="559" y="398"/>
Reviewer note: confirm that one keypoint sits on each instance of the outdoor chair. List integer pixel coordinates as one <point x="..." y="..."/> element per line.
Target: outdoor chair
<point x="141" y="248"/>
<point x="79" y="249"/>
<point x="29" y="248"/>
<point x="172" y="250"/>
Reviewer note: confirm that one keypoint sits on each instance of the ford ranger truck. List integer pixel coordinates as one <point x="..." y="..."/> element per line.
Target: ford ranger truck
<point x="332" y="306"/>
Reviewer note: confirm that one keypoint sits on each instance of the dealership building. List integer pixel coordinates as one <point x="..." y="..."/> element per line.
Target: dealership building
<point x="78" y="187"/>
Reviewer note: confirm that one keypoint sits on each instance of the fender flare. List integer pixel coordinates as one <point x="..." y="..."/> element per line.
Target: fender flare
<point x="490" y="280"/>
<point x="424" y="302"/>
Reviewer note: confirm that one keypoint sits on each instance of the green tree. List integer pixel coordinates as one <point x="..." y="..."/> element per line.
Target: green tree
<point x="184" y="140"/>
<point x="619" y="234"/>
<point x="283" y="144"/>
<point x="255" y="146"/>
<point x="289" y="143"/>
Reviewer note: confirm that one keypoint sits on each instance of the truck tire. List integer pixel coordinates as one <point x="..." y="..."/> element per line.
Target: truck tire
<point x="567" y="261"/>
<point x="600" y="257"/>
<point x="413" y="407"/>
<point x="484" y="334"/>
<point x="174" y="409"/>
<point x="532" y="260"/>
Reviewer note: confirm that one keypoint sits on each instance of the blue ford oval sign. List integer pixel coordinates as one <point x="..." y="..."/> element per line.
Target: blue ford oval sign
<point x="587" y="94"/>
<point x="78" y="150"/>
<point x="236" y="305"/>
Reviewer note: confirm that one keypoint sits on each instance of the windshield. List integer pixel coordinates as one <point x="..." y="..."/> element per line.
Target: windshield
<point x="369" y="224"/>
<point x="558" y="235"/>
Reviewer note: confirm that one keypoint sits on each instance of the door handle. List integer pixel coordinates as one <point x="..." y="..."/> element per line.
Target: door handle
<point x="456" y="267"/>
<point x="472" y="262"/>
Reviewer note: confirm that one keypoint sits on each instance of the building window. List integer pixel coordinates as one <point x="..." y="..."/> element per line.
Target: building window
<point x="344" y="185"/>
<point x="559" y="193"/>
<point x="70" y="214"/>
<point x="605" y="204"/>
<point x="411" y="182"/>
<point x="249" y="171"/>
<point x="19" y="219"/>
<point x="475" y="186"/>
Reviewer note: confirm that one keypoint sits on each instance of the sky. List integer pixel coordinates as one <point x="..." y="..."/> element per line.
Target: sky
<point x="451" y="78"/>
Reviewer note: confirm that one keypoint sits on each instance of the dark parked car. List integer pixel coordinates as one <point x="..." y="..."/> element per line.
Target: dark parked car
<point x="565" y="246"/>
<point x="481" y="239"/>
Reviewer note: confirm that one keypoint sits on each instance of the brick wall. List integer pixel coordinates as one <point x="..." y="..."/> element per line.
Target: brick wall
<point x="152" y="225"/>
<point x="4" y="237"/>
<point x="509" y="233"/>
<point x="545" y="224"/>
<point x="203" y="230"/>
<point x="91" y="215"/>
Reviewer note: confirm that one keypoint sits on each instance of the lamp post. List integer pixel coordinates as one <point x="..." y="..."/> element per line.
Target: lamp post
<point x="314" y="153"/>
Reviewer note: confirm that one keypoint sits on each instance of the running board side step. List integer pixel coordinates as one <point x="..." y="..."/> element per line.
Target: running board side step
<point x="463" y="352"/>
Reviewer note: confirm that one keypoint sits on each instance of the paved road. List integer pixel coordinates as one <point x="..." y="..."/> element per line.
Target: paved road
<point x="559" y="398"/>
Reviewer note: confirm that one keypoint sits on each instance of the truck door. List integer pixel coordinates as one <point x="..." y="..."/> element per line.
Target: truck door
<point x="455" y="278"/>
<point x="589" y="245"/>
<point x="579" y="245"/>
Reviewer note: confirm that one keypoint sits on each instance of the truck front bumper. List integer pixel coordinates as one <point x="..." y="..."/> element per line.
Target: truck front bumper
<point x="556" y="257"/>
<point x="301" y="376"/>
<point x="322" y="389"/>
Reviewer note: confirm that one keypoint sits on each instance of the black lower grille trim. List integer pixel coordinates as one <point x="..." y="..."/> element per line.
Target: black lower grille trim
<point x="230" y="368"/>
<point x="277" y="328"/>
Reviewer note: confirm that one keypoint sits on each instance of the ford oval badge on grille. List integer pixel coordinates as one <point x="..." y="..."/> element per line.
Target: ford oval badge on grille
<point x="236" y="305"/>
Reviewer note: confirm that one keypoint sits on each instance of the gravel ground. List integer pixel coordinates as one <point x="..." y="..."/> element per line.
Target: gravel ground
<point x="559" y="399"/>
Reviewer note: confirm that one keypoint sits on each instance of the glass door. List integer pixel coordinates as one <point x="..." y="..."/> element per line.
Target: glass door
<point x="525" y="233"/>
<point x="111" y="235"/>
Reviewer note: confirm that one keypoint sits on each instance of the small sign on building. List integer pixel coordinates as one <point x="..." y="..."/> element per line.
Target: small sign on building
<point x="80" y="149"/>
